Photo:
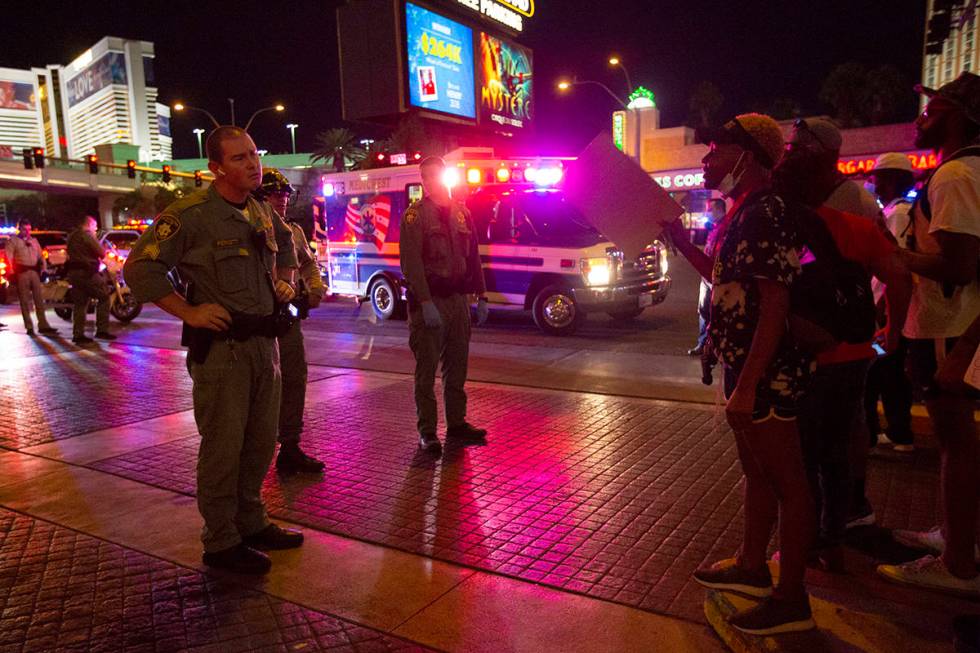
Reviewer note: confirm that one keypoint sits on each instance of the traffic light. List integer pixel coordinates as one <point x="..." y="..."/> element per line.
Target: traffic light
<point x="131" y="169"/>
<point x="93" y="163"/>
<point x="28" y="158"/>
<point x="198" y="179"/>
<point x="166" y="174"/>
<point x="38" y="157"/>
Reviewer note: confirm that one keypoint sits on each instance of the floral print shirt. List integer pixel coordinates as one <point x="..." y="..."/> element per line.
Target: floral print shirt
<point x="760" y="242"/>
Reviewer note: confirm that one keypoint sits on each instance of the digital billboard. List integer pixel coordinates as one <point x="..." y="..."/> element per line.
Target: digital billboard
<point x="16" y="95"/>
<point x="440" y="63"/>
<point x="110" y="68"/>
<point x="505" y="83"/>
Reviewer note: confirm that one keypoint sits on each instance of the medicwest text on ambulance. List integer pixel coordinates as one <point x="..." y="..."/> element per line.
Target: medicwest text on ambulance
<point x="539" y="254"/>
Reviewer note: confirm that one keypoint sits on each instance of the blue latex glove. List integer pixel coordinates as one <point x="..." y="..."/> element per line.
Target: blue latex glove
<point x="482" y="312"/>
<point x="431" y="315"/>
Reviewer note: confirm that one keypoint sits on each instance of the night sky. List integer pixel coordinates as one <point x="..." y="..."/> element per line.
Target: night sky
<point x="264" y="52"/>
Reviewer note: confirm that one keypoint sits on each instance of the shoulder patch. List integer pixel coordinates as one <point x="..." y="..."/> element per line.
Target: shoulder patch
<point x="411" y="216"/>
<point x="165" y="227"/>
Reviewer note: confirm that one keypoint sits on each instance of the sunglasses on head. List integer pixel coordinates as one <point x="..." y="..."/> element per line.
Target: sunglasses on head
<point x="800" y="124"/>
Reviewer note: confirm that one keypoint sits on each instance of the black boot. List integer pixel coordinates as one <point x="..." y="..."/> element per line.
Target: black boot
<point x="274" y="538"/>
<point x="292" y="460"/>
<point x="240" y="559"/>
<point x="465" y="431"/>
<point x="429" y="443"/>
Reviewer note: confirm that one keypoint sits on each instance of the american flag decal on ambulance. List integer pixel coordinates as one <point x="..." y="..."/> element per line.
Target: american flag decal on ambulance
<point x="370" y="223"/>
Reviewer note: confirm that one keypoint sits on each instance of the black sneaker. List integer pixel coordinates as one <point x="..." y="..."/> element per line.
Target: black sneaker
<point x="240" y="559"/>
<point x="292" y="460"/>
<point x="274" y="538"/>
<point x="728" y="576"/>
<point x="30" y="332"/>
<point x="429" y="443"/>
<point x="104" y="335"/>
<point x="48" y="331"/>
<point x="82" y="340"/>
<point x="465" y="431"/>
<point x="774" y="616"/>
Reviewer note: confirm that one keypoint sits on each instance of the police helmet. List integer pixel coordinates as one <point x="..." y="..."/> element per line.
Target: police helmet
<point x="274" y="181"/>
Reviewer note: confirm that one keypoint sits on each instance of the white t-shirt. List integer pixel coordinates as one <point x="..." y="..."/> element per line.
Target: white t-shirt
<point x="852" y="197"/>
<point x="898" y="221"/>
<point x="954" y="195"/>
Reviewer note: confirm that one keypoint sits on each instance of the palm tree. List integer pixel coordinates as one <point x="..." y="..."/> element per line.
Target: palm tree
<point x="704" y="105"/>
<point x="337" y="147"/>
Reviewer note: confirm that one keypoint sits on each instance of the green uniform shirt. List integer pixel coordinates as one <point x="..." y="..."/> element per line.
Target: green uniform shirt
<point x="440" y="244"/>
<point x="213" y="245"/>
<point x="83" y="248"/>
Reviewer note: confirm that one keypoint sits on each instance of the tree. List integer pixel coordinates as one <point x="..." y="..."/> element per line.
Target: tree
<point x="845" y="91"/>
<point x="338" y="148"/>
<point x="888" y="94"/>
<point x="704" y="105"/>
<point x="785" y="108"/>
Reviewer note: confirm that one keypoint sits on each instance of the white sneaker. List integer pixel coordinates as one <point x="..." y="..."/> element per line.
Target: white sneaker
<point x="931" y="573"/>
<point x="931" y="540"/>
<point x="883" y="439"/>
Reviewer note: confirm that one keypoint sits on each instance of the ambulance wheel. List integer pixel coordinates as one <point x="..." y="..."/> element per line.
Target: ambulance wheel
<point x="63" y="313"/>
<point x="556" y="311"/>
<point x="626" y="315"/>
<point x="385" y="301"/>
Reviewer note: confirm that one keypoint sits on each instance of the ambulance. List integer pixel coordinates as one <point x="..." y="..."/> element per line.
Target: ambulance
<point x="539" y="253"/>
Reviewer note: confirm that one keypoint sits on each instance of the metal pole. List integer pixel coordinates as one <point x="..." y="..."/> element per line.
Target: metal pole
<point x="231" y="102"/>
<point x="200" y="148"/>
<point x="292" y="134"/>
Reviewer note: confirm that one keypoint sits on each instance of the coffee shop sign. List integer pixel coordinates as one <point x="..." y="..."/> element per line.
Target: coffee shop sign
<point x="681" y="181"/>
<point x="506" y="12"/>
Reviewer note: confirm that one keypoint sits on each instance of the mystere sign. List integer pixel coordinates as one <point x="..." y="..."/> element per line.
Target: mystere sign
<point x="506" y="12"/>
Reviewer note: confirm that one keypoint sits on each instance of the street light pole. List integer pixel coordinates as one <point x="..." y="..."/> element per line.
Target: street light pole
<point x="584" y="82"/>
<point x="616" y="61"/>
<point x="231" y="102"/>
<point x="292" y="134"/>
<point x="200" y="149"/>
<point x="180" y="107"/>
<point x="278" y="107"/>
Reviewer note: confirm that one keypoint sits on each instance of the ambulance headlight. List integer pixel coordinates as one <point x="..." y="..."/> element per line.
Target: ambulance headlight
<point x="597" y="271"/>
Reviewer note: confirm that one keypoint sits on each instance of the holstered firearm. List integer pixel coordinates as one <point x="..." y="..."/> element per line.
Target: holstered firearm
<point x="197" y="341"/>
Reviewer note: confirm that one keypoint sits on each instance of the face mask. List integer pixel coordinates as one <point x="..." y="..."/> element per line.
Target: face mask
<point x="730" y="181"/>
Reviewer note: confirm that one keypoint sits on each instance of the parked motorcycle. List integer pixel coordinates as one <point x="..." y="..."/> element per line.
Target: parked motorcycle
<point x="122" y="305"/>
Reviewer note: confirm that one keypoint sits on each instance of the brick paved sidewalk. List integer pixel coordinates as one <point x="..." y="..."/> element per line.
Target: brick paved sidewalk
<point x="64" y="591"/>
<point x="618" y="499"/>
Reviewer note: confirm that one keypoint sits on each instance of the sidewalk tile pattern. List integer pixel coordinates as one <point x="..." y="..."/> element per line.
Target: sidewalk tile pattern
<point x="48" y="398"/>
<point x="615" y="498"/>
<point x="64" y="591"/>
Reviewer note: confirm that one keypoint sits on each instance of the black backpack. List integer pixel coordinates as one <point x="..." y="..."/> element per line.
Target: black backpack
<point x="832" y="301"/>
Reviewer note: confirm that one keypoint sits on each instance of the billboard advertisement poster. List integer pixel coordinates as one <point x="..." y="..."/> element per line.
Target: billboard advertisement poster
<point x="108" y="69"/>
<point x="506" y="84"/>
<point x="440" y="63"/>
<point x="16" y="95"/>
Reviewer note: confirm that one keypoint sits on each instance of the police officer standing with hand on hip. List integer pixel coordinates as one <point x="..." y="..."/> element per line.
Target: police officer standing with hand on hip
<point x="440" y="259"/>
<point x="277" y="191"/>
<point x="226" y="245"/>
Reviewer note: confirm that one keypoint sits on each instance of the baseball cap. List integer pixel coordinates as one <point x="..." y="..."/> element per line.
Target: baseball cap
<point x="893" y="161"/>
<point x="822" y="132"/>
<point x="964" y="91"/>
<point x="754" y="132"/>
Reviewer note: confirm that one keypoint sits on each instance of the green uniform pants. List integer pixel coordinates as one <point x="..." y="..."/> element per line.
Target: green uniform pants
<point x="236" y="407"/>
<point x="292" y="360"/>
<point x="28" y="288"/>
<point x="86" y="286"/>
<point x="449" y="344"/>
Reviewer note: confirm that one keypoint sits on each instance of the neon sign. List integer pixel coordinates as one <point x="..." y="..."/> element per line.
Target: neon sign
<point x="921" y="160"/>
<point x="619" y="129"/>
<point x="681" y="181"/>
<point x="642" y="98"/>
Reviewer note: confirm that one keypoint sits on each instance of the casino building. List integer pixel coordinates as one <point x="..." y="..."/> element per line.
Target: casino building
<point x="107" y="95"/>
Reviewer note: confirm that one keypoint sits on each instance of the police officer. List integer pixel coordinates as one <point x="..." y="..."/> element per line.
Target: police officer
<point x="85" y="255"/>
<point x="440" y="259"/>
<point x="226" y="245"/>
<point x="277" y="191"/>
<point x="24" y="254"/>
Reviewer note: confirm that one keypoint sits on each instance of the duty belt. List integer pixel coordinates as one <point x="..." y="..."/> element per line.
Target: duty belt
<point x="442" y="287"/>
<point x="244" y="326"/>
